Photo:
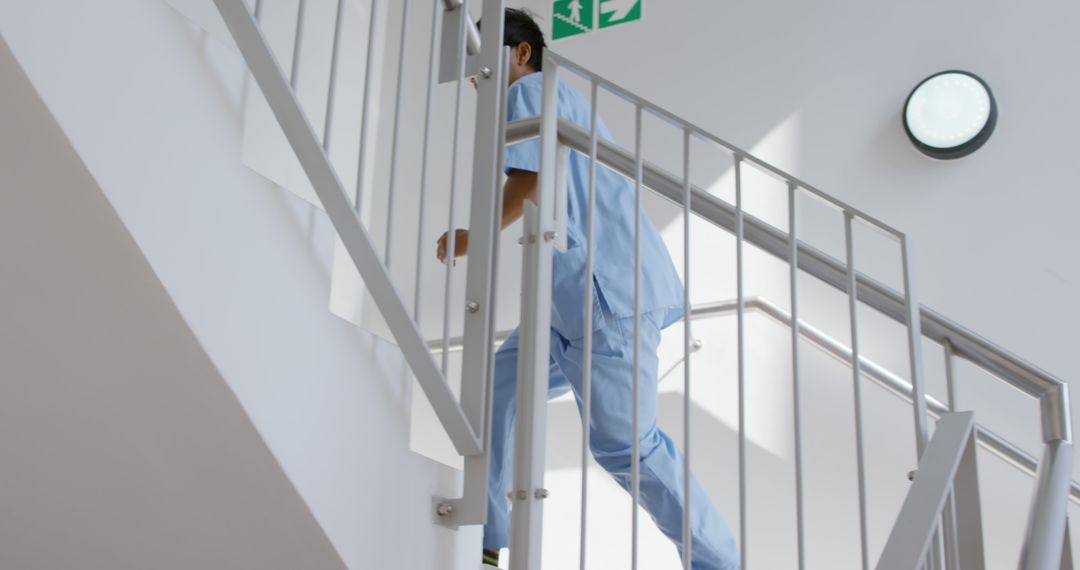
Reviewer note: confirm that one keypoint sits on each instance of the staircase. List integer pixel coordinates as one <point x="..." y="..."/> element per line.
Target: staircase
<point x="939" y="523"/>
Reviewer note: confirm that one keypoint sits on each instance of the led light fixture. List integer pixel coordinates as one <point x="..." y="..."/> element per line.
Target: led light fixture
<point x="950" y="114"/>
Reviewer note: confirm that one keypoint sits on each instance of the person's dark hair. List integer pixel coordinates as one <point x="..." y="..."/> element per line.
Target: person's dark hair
<point x="521" y="27"/>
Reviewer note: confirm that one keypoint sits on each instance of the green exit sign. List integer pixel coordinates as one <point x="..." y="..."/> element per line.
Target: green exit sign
<point x="575" y="17"/>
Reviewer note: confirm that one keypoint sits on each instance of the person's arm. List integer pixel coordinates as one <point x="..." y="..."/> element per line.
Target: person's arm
<point x="522" y="161"/>
<point x="520" y="185"/>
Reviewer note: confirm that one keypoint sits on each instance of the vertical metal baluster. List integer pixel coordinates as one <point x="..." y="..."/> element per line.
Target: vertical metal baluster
<point x="741" y="310"/>
<point x="451" y="241"/>
<point x="1048" y="515"/>
<point x="397" y="131"/>
<point x="496" y="229"/>
<point x="856" y="373"/>
<point x="793" y="252"/>
<point x="1066" y="548"/>
<point x="258" y="10"/>
<point x="918" y="383"/>
<point x="477" y="386"/>
<point x="950" y="378"/>
<point x="332" y="89"/>
<point x="914" y="325"/>
<point x="429" y="106"/>
<point x="294" y="74"/>
<point x="952" y="553"/>
<point x="361" y="165"/>
<point x="586" y="367"/>
<point x="526" y="525"/>
<point x="688" y="539"/>
<point x="937" y="548"/>
<point x="635" y="467"/>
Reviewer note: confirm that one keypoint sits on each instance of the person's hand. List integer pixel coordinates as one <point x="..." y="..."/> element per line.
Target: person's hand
<point x="461" y="245"/>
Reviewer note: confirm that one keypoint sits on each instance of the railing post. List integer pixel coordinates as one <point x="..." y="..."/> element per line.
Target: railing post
<point x="796" y="389"/>
<point x="527" y="493"/>
<point x="1048" y="516"/>
<point x="484" y="227"/>
<point x="587" y="341"/>
<point x="1049" y="508"/>
<point x="856" y="372"/>
<point x="949" y="526"/>
<point x="688" y="535"/>
<point x="741" y="349"/>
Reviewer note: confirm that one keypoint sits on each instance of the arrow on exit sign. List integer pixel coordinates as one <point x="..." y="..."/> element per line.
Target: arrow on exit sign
<point x="614" y="12"/>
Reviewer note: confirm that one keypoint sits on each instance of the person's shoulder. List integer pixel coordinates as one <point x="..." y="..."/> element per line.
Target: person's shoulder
<point x="531" y="85"/>
<point x="529" y="91"/>
<point x="532" y="80"/>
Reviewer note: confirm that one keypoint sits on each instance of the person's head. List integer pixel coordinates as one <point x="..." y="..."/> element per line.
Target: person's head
<point x="526" y="41"/>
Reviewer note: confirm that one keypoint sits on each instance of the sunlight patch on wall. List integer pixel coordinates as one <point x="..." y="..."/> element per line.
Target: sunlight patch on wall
<point x="713" y="279"/>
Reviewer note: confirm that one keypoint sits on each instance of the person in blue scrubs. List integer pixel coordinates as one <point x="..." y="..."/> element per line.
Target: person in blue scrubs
<point x="612" y="322"/>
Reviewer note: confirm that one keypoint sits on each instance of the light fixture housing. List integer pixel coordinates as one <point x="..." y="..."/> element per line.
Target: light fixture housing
<point x="950" y="114"/>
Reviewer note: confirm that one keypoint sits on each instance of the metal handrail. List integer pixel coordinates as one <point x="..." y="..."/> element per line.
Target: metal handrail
<point x="895" y="385"/>
<point x="472" y="32"/>
<point x="1026" y="377"/>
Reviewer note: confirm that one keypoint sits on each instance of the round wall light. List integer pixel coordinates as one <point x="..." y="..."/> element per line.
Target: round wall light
<point x="950" y="114"/>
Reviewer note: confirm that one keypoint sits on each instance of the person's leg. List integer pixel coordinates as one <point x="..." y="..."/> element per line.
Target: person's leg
<point x="501" y="472"/>
<point x="661" y="468"/>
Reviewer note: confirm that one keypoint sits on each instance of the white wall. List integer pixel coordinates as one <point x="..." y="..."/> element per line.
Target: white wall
<point x="123" y="447"/>
<point x="153" y="106"/>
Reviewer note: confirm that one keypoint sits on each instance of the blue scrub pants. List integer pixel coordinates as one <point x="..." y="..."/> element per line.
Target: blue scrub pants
<point x="661" y="472"/>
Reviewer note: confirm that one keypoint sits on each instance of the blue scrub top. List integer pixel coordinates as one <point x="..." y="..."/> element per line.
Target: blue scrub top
<point x="613" y="225"/>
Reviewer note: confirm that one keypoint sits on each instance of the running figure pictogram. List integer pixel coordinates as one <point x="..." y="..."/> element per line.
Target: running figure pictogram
<point x="575" y="11"/>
